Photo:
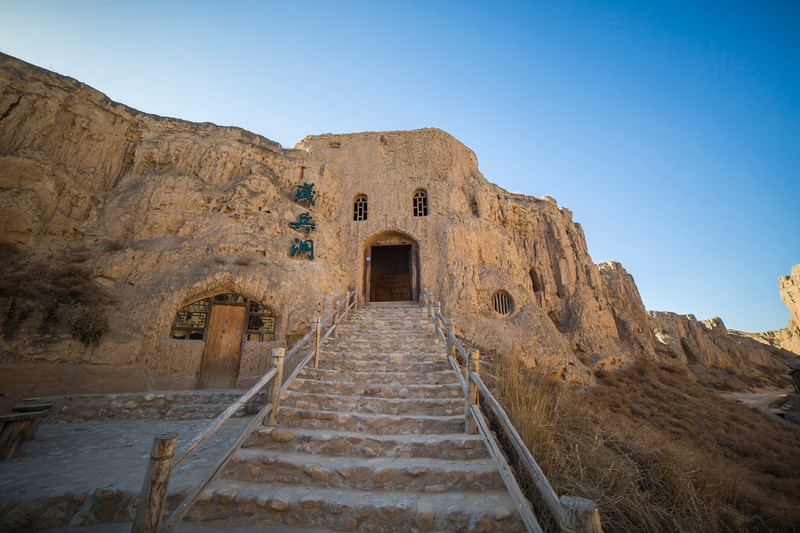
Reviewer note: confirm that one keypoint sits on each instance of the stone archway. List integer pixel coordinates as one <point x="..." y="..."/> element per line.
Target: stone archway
<point x="391" y="268"/>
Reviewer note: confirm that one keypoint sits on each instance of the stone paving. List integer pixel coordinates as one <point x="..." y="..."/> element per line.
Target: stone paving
<point x="372" y="440"/>
<point x="72" y="460"/>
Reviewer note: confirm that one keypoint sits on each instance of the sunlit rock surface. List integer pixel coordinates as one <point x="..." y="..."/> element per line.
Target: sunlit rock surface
<point x="157" y="212"/>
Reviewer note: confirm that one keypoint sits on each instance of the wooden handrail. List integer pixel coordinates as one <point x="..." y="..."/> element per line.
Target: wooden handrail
<point x="274" y="373"/>
<point x="221" y="418"/>
<point x="183" y="508"/>
<point x="523" y="505"/>
<point x="564" y="510"/>
<point x="545" y="489"/>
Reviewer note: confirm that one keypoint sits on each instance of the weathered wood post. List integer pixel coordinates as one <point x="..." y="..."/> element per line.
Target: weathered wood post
<point x="436" y="307"/>
<point x="336" y="318"/>
<point x="473" y="365"/>
<point x="346" y="304"/>
<point x="153" y="497"/>
<point x="317" y="327"/>
<point x="277" y="363"/>
<point x="581" y="515"/>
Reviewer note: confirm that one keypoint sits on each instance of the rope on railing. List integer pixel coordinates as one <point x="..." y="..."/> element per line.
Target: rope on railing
<point x="154" y="488"/>
<point x="573" y="514"/>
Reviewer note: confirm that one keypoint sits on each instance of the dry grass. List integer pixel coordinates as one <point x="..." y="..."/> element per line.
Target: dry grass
<point x="244" y="259"/>
<point x="657" y="451"/>
<point x="51" y="288"/>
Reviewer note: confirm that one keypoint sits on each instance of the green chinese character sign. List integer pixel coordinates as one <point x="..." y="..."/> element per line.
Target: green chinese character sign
<point x="305" y="193"/>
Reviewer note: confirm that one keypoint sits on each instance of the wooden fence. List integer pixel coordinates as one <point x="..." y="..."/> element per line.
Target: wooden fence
<point x="573" y="514"/>
<point x="163" y="460"/>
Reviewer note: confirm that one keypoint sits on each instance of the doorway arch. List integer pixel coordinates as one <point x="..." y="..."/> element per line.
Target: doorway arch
<point x="223" y="322"/>
<point x="391" y="268"/>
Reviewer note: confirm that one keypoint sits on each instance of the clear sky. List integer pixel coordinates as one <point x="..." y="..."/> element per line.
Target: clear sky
<point x="671" y="129"/>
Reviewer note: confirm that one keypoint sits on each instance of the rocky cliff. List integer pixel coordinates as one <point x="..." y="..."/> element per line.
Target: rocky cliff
<point x="112" y="220"/>
<point x="787" y="338"/>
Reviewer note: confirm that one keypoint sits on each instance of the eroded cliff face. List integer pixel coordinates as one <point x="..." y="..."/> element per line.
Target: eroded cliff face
<point x="104" y="208"/>
<point x="717" y="356"/>
<point x="787" y="338"/>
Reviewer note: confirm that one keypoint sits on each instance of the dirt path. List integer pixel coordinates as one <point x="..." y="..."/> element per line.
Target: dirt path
<point x="763" y="400"/>
<point x="760" y="400"/>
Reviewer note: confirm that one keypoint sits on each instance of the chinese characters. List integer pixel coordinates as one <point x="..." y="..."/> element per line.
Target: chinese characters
<point x="305" y="195"/>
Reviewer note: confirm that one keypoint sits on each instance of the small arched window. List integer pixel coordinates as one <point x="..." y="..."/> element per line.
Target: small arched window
<point x="360" y="208"/>
<point x="421" y="203"/>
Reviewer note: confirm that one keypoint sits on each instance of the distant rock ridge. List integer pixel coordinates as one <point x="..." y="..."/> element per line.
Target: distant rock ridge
<point x="787" y="338"/>
<point x="122" y="218"/>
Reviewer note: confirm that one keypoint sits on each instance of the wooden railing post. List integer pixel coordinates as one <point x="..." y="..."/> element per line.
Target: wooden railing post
<point x="473" y="365"/>
<point x="317" y="333"/>
<point x="277" y="363"/>
<point x="150" y="509"/>
<point x="336" y="319"/>
<point x="580" y="515"/>
<point x="346" y="304"/>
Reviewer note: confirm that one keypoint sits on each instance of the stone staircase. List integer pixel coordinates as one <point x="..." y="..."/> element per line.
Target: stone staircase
<point x="372" y="440"/>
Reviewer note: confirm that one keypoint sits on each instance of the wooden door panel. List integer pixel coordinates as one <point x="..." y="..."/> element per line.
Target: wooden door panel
<point x="219" y="367"/>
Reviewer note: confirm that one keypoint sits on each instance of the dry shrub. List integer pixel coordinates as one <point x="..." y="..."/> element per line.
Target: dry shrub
<point x="51" y="287"/>
<point x="244" y="259"/>
<point x="113" y="245"/>
<point x="89" y="326"/>
<point x="656" y="451"/>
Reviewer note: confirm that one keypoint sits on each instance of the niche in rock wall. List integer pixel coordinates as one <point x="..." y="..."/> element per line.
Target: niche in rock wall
<point x="473" y="206"/>
<point x="558" y="320"/>
<point x="537" y="285"/>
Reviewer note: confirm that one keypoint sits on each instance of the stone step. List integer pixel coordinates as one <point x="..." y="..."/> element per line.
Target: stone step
<point x="380" y="346"/>
<point x="199" y="411"/>
<point x="388" y="378"/>
<point x="349" y="444"/>
<point x="382" y="355"/>
<point x="390" y="324"/>
<point x="235" y="503"/>
<point x="388" y="328"/>
<point x="369" y="423"/>
<point x="357" y="365"/>
<point x="377" y="390"/>
<point x="393" y="406"/>
<point x="359" y="473"/>
<point x="385" y="342"/>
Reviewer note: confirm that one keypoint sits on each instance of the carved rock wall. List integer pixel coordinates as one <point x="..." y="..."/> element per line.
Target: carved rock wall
<point x="163" y="212"/>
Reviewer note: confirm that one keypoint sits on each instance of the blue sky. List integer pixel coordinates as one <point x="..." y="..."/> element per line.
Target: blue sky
<point x="672" y="130"/>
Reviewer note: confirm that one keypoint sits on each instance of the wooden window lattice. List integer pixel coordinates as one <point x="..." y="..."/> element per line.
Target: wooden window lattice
<point x="420" y="204"/>
<point x="501" y="303"/>
<point x="360" y="208"/>
<point x="190" y="322"/>
<point x="260" y="323"/>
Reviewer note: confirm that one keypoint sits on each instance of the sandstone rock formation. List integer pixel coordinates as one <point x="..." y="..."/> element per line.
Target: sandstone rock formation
<point x="109" y="214"/>
<point x="708" y="344"/>
<point x="787" y="338"/>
